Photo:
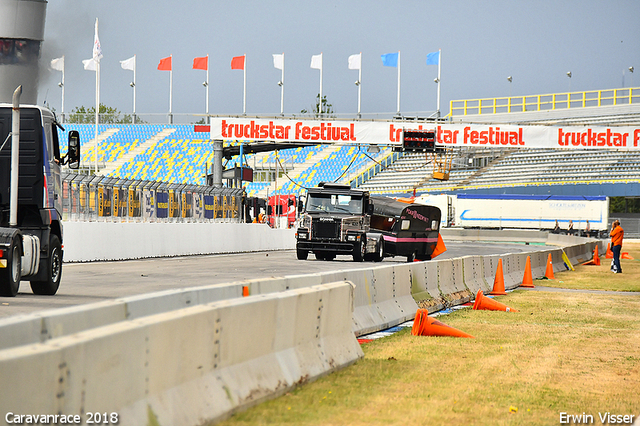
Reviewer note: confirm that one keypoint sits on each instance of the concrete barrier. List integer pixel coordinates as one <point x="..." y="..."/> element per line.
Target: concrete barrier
<point x="188" y="366"/>
<point x="91" y="241"/>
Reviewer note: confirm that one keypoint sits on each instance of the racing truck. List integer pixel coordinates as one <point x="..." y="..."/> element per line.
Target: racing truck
<point x="31" y="197"/>
<point x="340" y="220"/>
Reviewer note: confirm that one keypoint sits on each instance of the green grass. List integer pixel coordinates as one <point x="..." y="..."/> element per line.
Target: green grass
<point x="563" y="352"/>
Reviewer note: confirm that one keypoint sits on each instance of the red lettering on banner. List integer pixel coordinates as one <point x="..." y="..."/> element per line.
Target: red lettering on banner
<point x="394" y="133"/>
<point x="490" y="137"/>
<point x="591" y="138"/>
<point x="446" y="137"/>
<point x="636" y="137"/>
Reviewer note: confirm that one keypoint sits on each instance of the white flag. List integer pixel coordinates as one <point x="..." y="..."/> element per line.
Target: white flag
<point x="278" y="61"/>
<point x="89" y="64"/>
<point x="355" y="61"/>
<point x="97" y="50"/>
<point x="58" y="64"/>
<point x="128" y="64"/>
<point x="316" y="62"/>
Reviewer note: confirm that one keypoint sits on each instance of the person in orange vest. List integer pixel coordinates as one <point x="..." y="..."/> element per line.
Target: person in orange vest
<point x="616" y="234"/>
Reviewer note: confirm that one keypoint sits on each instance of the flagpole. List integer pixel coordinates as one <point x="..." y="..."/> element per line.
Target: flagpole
<point x="171" y="91"/>
<point x="62" y="82"/>
<point x="134" y="89"/>
<point x="439" y="64"/>
<point x="282" y="88"/>
<point x="398" y="82"/>
<point x="97" y="61"/>
<point x="321" y="66"/>
<point x="207" y="91"/>
<point x="244" y="87"/>
<point x="359" y="84"/>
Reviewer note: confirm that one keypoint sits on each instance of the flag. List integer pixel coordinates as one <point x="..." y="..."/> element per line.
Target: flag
<point x="201" y="63"/>
<point x="89" y="64"/>
<point x="165" y="64"/>
<point x="278" y="60"/>
<point x="128" y="64"/>
<point x="58" y="64"/>
<point x="355" y="61"/>
<point x="390" y="59"/>
<point x="316" y="62"/>
<point x="237" y="63"/>
<point x="433" y="58"/>
<point x="97" y="50"/>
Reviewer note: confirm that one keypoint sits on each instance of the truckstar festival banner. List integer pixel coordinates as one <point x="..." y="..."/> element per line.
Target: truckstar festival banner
<point x="390" y="133"/>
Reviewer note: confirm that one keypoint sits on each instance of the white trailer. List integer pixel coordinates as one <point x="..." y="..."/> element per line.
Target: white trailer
<point x="532" y="211"/>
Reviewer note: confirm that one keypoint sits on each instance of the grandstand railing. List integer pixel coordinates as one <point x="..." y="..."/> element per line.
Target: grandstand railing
<point x="377" y="167"/>
<point x="108" y="199"/>
<point x="553" y="101"/>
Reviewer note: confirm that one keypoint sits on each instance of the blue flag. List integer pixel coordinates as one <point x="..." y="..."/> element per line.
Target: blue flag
<point x="433" y="58"/>
<point x="390" y="59"/>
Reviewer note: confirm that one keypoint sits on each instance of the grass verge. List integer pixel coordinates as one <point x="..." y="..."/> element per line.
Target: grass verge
<point x="563" y="352"/>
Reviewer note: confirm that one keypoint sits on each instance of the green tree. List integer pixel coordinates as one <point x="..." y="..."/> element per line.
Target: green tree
<point x="108" y="115"/>
<point x="322" y="108"/>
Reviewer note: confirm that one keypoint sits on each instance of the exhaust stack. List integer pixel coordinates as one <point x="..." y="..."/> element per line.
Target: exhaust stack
<point x="15" y="158"/>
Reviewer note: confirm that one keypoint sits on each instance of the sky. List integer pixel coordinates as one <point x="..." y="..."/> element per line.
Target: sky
<point x="482" y="43"/>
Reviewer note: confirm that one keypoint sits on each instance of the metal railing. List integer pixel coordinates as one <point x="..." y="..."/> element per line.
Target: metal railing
<point x="107" y="199"/>
<point x="553" y="101"/>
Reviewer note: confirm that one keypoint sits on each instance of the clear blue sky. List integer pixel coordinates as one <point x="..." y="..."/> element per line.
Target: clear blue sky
<point x="482" y="42"/>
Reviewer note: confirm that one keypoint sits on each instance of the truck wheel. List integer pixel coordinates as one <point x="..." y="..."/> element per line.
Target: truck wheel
<point x="379" y="251"/>
<point x="11" y="275"/>
<point x="53" y="271"/>
<point x="360" y="249"/>
<point x="302" y="254"/>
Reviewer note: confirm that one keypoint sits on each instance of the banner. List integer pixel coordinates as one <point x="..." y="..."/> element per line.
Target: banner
<point x="390" y="133"/>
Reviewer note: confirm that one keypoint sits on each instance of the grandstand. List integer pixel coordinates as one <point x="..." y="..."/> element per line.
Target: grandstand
<point x="176" y="154"/>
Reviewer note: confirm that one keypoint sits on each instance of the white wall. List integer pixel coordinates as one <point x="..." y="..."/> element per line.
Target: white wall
<point x="91" y="241"/>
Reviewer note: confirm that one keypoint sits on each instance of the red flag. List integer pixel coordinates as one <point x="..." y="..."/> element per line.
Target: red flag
<point x="201" y="63"/>
<point x="237" y="63"/>
<point x="165" y="64"/>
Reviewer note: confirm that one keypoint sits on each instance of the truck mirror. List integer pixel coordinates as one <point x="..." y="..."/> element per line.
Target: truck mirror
<point x="290" y="202"/>
<point x="370" y="209"/>
<point x="300" y="206"/>
<point x="73" y="153"/>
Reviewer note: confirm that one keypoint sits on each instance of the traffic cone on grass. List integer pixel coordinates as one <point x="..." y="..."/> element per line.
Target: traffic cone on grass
<point x="596" y="258"/>
<point x="498" y="282"/>
<point x="626" y="255"/>
<point x="527" y="279"/>
<point x="428" y="326"/>
<point x="609" y="254"/>
<point x="484" y="303"/>
<point x="549" y="272"/>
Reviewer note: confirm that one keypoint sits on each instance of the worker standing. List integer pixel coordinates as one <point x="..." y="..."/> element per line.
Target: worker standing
<point x="616" y="234"/>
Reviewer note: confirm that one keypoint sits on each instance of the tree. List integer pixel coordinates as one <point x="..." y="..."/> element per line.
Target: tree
<point x="108" y="115"/>
<point x="321" y="108"/>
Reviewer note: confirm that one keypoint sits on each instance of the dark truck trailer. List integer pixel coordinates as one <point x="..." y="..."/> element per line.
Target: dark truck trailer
<point x="339" y="220"/>
<point x="30" y="223"/>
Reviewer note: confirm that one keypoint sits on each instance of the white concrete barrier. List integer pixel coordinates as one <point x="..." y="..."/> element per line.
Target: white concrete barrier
<point x="189" y="366"/>
<point x="91" y="241"/>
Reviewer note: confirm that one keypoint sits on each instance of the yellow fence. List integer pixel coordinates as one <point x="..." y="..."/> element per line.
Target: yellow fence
<point x="594" y="98"/>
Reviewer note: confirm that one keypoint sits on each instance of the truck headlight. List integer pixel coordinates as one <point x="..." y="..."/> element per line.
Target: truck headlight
<point x="303" y="235"/>
<point x="352" y="237"/>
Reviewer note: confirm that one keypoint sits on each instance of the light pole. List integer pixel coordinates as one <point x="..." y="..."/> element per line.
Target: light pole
<point x="631" y="71"/>
<point x="510" y="79"/>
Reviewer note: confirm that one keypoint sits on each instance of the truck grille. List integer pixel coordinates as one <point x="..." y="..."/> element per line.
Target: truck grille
<point x="324" y="229"/>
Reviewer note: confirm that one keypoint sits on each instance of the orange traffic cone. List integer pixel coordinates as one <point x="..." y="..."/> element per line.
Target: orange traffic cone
<point x="415" y="330"/>
<point x="609" y="254"/>
<point x="498" y="282"/>
<point x="527" y="280"/>
<point x="245" y="291"/>
<point x="626" y="255"/>
<point x="596" y="258"/>
<point x="549" y="272"/>
<point x="432" y="327"/>
<point x="488" y="304"/>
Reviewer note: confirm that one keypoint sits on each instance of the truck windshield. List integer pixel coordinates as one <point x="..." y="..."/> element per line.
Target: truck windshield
<point x="334" y="203"/>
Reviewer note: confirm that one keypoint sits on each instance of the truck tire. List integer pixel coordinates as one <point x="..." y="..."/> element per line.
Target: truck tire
<point x="360" y="248"/>
<point x="49" y="287"/>
<point x="302" y="254"/>
<point x="11" y="275"/>
<point x="379" y="251"/>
